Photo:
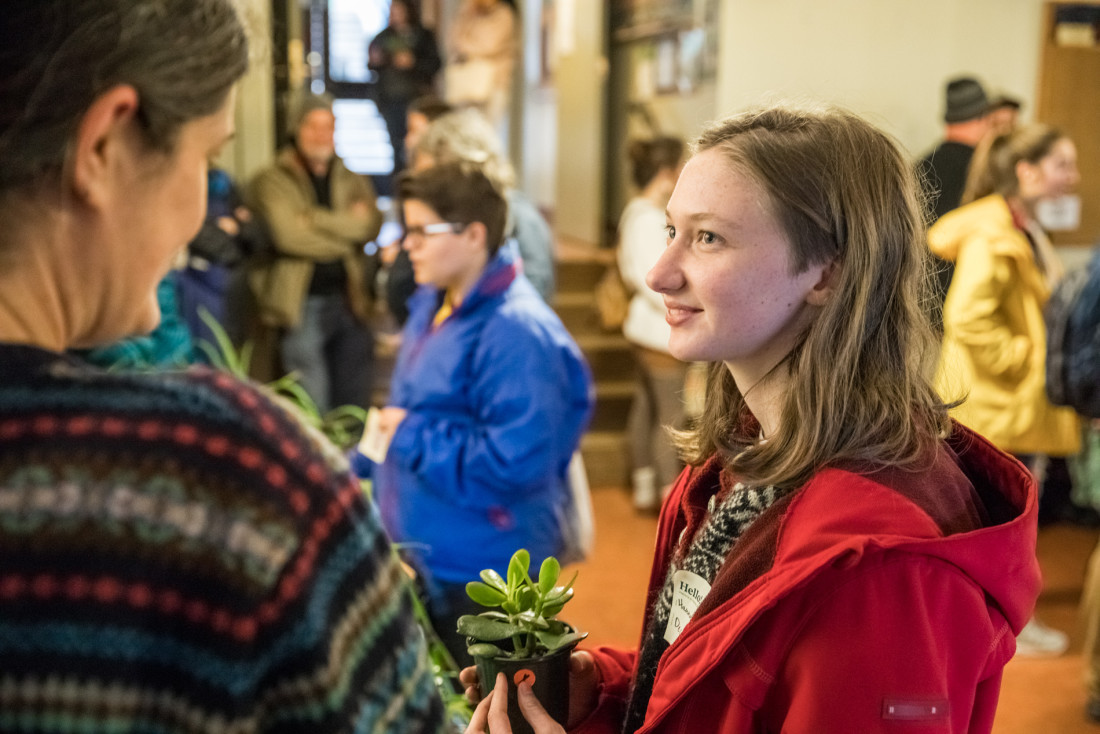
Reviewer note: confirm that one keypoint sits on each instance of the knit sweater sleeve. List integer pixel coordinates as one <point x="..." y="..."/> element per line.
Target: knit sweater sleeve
<point x="355" y="659"/>
<point x="195" y="560"/>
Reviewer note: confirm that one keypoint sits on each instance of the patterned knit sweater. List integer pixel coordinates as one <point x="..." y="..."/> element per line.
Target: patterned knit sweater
<point x="179" y="554"/>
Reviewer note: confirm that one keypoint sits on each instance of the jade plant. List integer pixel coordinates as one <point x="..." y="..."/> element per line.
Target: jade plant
<point x="524" y="611"/>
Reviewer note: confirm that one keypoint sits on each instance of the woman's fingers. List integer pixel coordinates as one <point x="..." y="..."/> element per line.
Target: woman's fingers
<point x="533" y="711"/>
<point x="468" y="678"/>
<point x="498" y="708"/>
<point x="480" y="720"/>
<point x="492" y="713"/>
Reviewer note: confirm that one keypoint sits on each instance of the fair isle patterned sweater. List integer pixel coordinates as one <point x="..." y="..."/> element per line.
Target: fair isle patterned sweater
<point x="178" y="554"/>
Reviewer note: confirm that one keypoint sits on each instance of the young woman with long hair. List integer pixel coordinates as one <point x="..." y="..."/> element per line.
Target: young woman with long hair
<point x="839" y="556"/>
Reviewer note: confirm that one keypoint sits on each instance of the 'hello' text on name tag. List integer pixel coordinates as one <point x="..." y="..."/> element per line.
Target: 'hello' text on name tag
<point x="688" y="592"/>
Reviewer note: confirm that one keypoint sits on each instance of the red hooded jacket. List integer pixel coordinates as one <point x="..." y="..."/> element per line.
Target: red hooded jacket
<point x="881" y="602"/>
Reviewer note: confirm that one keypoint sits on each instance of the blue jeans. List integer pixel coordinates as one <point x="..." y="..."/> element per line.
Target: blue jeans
<point x="332" y="352"/>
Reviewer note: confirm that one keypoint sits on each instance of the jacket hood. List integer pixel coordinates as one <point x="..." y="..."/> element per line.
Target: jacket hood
<point x="999" y="556"/>
<point x="984" y="220"/>
<point x="818" y="531"/>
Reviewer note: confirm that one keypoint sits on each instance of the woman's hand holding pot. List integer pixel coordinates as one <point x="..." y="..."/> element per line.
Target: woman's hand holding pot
<point x="583" y="696"/>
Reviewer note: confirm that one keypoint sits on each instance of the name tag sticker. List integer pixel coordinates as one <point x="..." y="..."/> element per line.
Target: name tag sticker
<point x="688" y="592"/>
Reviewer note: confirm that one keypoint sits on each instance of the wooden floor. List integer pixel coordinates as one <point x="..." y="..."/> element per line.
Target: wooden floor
<point x="1038" y="696"/>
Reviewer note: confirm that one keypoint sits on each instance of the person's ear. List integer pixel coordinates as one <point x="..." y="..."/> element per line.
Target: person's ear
<point x="478" y="234"/>
<point x="826" y="285"/>
<point x="100" y="139"/>
<point x="1026" y="172"/>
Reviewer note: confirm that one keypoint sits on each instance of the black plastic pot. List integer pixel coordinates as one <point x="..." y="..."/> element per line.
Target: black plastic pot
<point x="548" y="675"/>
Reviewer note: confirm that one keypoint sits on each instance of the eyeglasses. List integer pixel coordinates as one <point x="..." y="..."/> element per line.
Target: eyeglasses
<point x="432" y="229"/>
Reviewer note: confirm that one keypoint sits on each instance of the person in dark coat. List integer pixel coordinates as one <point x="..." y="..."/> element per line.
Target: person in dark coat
<point x="406" y="58"/>
<point x="942" y="171"/>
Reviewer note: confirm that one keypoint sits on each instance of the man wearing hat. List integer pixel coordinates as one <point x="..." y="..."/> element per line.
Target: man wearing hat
<point x="966" y="121"/>
<point x="943" y="170"/>
<point x="315" y="288"/>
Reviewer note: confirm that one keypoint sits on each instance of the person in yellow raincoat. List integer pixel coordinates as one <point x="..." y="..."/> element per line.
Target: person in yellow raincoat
<point x="994" y="344"/>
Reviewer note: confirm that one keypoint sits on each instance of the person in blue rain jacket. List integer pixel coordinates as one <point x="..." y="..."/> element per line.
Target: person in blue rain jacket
<point x="488" y="402"/>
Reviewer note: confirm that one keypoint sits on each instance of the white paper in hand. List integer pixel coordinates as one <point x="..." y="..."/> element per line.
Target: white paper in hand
<point x="374" y="444"/>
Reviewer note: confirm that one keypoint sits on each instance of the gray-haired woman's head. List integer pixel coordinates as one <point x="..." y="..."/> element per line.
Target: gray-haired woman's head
<point x="181" y="56"/>
<point x="465" y="136"/>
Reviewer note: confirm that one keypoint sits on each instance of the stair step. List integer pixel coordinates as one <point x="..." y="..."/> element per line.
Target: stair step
<point x="615" y="389"/>
<point x="578" y="312"/>
<point x="605" y="458"/>
<point x="611" y="364"/>
<point x="602" y="342"/>
<point x="574" y="299"/>
<point x="579" y="275"/>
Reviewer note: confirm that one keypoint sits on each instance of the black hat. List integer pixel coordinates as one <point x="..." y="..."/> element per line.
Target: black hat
<point x="966" y="100"/>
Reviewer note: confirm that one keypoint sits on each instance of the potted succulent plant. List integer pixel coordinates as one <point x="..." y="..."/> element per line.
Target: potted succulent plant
<point x="521" y="636"/>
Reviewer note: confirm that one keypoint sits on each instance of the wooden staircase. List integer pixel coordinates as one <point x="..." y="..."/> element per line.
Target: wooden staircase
<point x="604" y="445"/>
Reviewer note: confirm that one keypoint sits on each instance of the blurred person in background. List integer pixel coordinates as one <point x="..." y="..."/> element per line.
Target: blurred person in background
<point x="406" y="58"/>
<point x="316" y="287"/>
<point x="481" y="54"/>
<point x="1004" y="113"/>
<point x="214" y="276"/>
<point x="400" y="281"/>
<point x="943" y="170"/>
<point x="423" y="111"/>
<point x="180" y="553"/>
<point x="466" y="136"/>
<point x="489" y="398"/>
<point x="658" y="397"/>
<point x="994" y="343"/>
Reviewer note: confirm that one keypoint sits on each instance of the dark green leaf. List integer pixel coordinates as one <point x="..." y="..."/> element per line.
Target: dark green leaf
<point x="482" y="628"/>
<point x="484" y="650"/>
<point x="552" y="609"/>
<point x="557" y="627"/>
<point x="485" y="595"/>
<point x="552" y="642"/>
<point x="535" y="621"/>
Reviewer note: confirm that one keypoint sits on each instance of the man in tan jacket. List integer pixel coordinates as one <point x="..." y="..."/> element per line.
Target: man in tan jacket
<point x="315" y="288"/>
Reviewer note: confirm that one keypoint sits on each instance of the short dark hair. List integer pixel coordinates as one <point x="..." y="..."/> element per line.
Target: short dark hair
<point x="58" y="56"/>
<point x="460" y="193"/>
<point x="648" y="157"/>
